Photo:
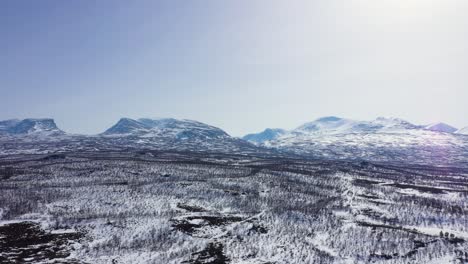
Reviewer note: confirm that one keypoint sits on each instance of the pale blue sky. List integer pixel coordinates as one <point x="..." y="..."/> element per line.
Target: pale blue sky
<point x="240" y="65"/>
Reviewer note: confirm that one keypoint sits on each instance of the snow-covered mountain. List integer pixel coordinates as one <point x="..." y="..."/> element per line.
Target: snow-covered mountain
<point x="30" y="126"/>
<point x="336" y="125"/>
<point x="380" y="139"/>
<point x="43" y="136"/>
<point x="165" y="127"/>
<point x="462" y="131"/>
<point x="333" y="125"/>
<point x="330" y="124"/>
<point x="441" y="127"/>
<point x="330" y="137"/>
<point x="172" y="134"/>
<point x="266" y="135"/>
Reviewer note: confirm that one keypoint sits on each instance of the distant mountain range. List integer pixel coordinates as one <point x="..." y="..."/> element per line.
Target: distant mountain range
<point x="389" y="139"/>
<point x="336" y="125"/>
<point x="330" y="137"/>
<point x="43" y="135"/>
<point x="333" y="125"/>
<point x="189" y="129"/>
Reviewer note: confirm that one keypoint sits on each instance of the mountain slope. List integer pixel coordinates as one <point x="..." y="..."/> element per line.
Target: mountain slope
<point x="6" y="125"/>
<point x="30" y="126"/>
<point x="412" y="146"/>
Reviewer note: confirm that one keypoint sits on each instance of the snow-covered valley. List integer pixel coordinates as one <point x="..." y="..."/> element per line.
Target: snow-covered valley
<point x="185" y="192"/>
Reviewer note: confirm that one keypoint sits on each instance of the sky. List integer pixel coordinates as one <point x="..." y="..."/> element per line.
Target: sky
<point x="241" y="65"/>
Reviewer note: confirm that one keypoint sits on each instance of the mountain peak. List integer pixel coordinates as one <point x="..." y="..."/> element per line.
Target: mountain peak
<point x="388" y="119"/>
<point x="441" y="127"/>
<point x="328" y="119"/>
<point x="266" y="135"/>
<point x="328" y="123"/>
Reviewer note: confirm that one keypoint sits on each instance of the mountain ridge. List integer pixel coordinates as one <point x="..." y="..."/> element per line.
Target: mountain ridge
<point x="329" y="137"/>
